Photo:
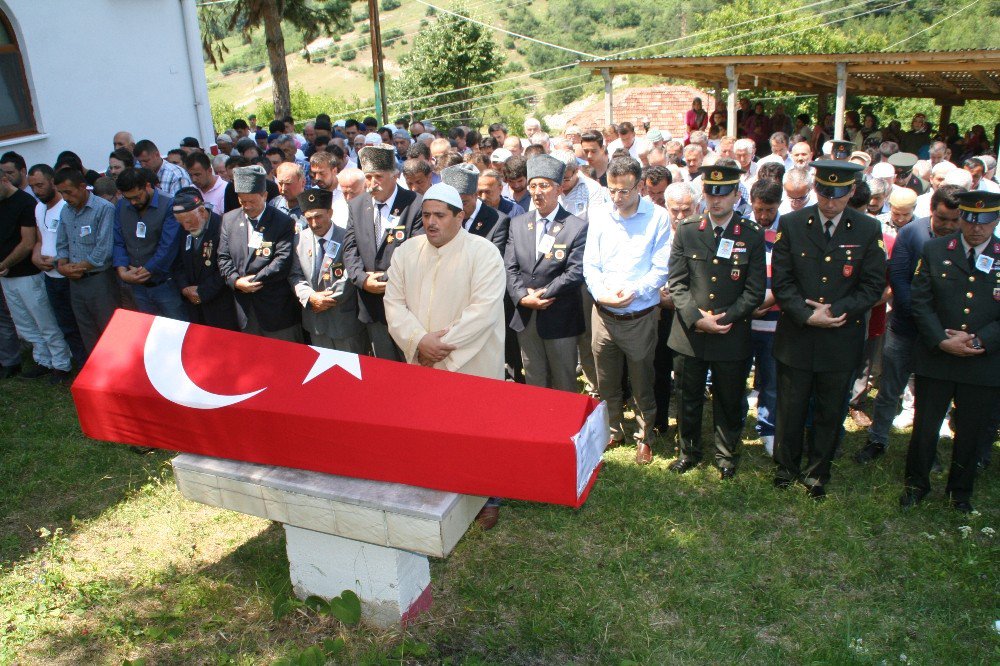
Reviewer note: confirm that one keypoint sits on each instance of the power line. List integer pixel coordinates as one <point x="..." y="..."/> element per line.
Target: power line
<point x="508" y="32"/>
<point x="932" y="25"/>
<point x="501" y="92"/>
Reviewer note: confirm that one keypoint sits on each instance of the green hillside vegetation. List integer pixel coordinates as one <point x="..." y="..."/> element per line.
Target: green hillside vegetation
<point x="338" y="79"/>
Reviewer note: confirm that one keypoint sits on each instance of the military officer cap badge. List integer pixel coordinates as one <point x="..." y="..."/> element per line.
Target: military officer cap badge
<point x="978" y="206"/>
<point x="720" y="179"/>
<point x="314" y="198"/>
<point x="834" y="179"/>
<point x="841" y="150"/>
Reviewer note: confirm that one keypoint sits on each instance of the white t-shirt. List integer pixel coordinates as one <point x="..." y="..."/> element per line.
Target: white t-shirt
<point x="48" y="220"/>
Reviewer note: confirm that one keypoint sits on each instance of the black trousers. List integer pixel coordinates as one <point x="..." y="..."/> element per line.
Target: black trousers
<point x="975" y="407"/>
<point x="828" y="391"/>
<point x="729" y="380"/>
<point x="663" y="365"/>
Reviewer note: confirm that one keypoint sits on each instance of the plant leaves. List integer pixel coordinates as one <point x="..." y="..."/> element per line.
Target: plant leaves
<point x="346" y="607"/>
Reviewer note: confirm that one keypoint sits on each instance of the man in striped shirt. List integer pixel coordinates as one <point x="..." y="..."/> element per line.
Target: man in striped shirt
<point x="765" y="197"/>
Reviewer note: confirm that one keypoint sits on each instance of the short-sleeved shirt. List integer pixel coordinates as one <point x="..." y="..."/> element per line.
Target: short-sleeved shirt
<point x="16" y="212"/>
<point x="48" y="220"/>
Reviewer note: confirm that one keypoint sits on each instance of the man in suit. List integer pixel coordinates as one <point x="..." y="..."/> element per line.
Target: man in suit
<point x="827" y="271"/>
<point x="717" y="280"/>
<point x="378" y="222"/>
<point x="196" y="269"/>
<point x="480" y="218"/>
<point x="329" y="298"/>
<point x="255" y="259"/>
<point x="955" y="300"/>
<point x="544" y="260"/>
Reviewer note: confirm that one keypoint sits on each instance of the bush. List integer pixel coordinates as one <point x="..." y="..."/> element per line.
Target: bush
<point x="348" y="54"/>
<point x="391" y="36"/>
<point x="359" y="17"/>
<point x="389" y="5"/>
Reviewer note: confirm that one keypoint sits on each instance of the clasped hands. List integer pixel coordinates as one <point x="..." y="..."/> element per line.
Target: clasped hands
<point x="960" y="343"/>
<point x="431" y="349"/>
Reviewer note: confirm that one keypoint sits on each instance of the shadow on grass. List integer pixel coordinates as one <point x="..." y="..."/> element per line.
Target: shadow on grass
<point x="50" y="474"/>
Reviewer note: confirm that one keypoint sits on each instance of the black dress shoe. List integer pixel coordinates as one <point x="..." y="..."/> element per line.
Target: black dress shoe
<point x="869" y="452"/>
<point x="910" y="498"/>
<point x="59" y="377"/>
<point x="817" y="492"/>
<point x="9" y="371"/>
<point x="962" y="506"/>
<point x="36" y="372"/>
<point x="727" y="473"/>
<point x="781" y="483"/>
<point x="682" y="465"/>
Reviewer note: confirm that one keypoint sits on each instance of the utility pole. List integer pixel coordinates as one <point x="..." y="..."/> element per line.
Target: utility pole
<point x="378" y="70"/>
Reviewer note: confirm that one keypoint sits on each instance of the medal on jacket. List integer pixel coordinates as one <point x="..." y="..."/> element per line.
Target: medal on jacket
<point x="996" y="294"/>
<point x="848" y="270"/>
<point x="704" y="223"/>
<point x="736" y="230"/>
<point x="400" y="235"/>
<point x="388" y="238"/>
<point x="953" y="243"/>
<point x="735" y="274"/>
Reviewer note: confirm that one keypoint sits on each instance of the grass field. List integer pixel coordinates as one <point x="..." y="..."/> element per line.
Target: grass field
<point x="102" y="561"/>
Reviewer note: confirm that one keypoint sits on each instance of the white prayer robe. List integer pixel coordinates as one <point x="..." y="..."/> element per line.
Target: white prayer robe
<point x="459" y="287"/>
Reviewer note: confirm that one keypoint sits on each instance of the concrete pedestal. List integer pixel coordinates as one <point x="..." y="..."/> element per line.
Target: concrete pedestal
<point x="394" y="585"/>
<point x="342" y="533"/>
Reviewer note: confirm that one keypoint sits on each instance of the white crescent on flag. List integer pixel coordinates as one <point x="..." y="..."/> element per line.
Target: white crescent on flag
<point x="162" y="358"/>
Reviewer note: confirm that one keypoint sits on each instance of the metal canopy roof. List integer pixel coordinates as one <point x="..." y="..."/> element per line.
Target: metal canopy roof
<point x="950" y="77"/>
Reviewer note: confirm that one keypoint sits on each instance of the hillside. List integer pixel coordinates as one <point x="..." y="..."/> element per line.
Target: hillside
<point x="340" y="68"/>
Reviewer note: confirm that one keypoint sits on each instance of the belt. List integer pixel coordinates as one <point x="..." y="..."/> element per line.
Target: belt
<point x="92" y="274"/>
<point x="628" y="316"/>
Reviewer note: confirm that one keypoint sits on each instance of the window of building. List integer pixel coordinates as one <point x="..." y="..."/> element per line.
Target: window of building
<point x="16" y="116"/>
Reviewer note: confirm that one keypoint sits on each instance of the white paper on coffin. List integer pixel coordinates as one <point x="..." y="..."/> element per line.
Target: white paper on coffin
<point x="590" y="444"/>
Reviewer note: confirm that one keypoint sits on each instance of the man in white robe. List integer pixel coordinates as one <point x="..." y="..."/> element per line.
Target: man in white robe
<point x="444" y="297"/>
<point x="444" y="300"/>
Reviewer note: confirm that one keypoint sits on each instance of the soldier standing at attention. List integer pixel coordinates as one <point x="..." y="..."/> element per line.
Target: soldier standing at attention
<point x="717" y="280"/>
<point x="828" y="270"/>
<point x="955" y="301"/>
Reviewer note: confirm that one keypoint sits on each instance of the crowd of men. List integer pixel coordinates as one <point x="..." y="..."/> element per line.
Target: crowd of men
<point x="642" y="265"/>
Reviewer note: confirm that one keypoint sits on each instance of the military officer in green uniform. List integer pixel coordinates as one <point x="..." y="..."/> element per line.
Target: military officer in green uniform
<point x="827" y="271"/>
<point x="717" y="279"/>
<point x="955" y="300"/>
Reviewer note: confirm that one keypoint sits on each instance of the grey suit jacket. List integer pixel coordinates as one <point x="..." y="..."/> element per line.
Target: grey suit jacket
<point x="340" y="321"/>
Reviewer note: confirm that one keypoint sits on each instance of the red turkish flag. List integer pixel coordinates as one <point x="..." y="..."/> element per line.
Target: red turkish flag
<point x="153" y="381"/>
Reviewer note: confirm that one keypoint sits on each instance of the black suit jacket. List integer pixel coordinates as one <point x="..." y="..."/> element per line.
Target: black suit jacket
<point x="197" y="265"/>
<point x="363" y="252"/>
<point x="947" y="295"/>
<point x="560" y="272"/>
<point x="847" y="272"/>
<point x="275" y="304"/>
<point x="492" y="225"/>
<point x="700" y="280"/>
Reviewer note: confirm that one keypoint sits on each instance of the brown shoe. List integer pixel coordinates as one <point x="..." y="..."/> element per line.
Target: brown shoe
<point x="643" y="454"/>
<point x="487" y="517"/>
<point x="860" y="419"/>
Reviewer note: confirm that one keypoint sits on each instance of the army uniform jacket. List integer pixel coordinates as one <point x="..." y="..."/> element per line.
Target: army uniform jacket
<point x="946" y="294"/>
<point x="701" y="279"/>
<point x="848" y="272"/>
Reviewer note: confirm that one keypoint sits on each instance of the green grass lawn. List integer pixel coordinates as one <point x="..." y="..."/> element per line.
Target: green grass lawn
<point x="102" y="561"/>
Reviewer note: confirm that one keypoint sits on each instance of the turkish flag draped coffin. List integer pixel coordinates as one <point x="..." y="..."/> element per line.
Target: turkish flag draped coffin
<point x="153" y="381"/>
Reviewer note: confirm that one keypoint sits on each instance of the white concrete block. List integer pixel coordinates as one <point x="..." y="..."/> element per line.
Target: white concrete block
<point x="456" y="523"/>
<point x="392" y="584"/>
<point x="414" y="534"/>
<point x="307" y="516"/>
<point x="360" y="523"/>
<point x="198" y="492"/>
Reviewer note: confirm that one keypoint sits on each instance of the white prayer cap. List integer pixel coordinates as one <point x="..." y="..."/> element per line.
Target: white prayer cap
<point x="959" y="177"/>
<point x="500" y="155"/>
<point x="828" y="147"/>
<point x="443" y="192"/>
<point x="340" y="123"/>
<point x="373" y="139"/>
<point x="883" y="170"/>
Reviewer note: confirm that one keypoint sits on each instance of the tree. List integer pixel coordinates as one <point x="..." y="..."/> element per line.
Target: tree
<point x="311" y="18"/>
<point x="451" y="53"/>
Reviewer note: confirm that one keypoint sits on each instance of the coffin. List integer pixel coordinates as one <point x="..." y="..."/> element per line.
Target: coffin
<point x="159" y="382"/>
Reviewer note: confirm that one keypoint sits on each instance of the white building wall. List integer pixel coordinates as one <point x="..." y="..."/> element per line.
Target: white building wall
<point x="95" y="67"/>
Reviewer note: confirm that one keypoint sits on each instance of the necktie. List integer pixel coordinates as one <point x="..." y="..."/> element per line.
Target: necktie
<point x="319" y="260"/>
<point x="544" y="225"/>
<point x="972" y="260"/>
<point x="379" y="231"/>
<point x="829" y="229"/>
<point x="718" y="235"/>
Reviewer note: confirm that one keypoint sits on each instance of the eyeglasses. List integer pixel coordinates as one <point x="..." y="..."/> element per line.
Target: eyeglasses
<point x="616" y="192"/>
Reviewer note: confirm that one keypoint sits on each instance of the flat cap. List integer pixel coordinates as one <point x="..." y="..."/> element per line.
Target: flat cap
<point x="187" y="199"/>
